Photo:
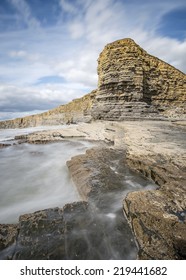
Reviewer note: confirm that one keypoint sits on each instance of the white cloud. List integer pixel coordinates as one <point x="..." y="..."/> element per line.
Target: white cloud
<point x="17" y="98"/>
<point x="21" y="54"/>
<point x="68" y="7"/>
<point x="77" y="29"/>
<point x="81" y="69"/>
<point x="24" y="73"/>
<point x="25" y="12"/>
<point x="13" y="115"/>
<point x="71" y="48"/>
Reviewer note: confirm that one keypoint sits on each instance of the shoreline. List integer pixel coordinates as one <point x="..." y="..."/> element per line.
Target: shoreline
<point x="155" y="149"/>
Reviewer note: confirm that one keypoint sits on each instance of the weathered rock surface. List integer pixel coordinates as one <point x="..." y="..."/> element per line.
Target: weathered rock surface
<point x="8" y="234"/>
<point x="77" y="110"/>
<point x="97" y="131"/>
<point x="133" y="84"/>
<point x="93" y="173"/>
<point x="82" y="230"/>
<point x="43" y="137"/>
<point x="156" y="149"/>
<point x="158" y="217"/>
<point x="4" y="145"/>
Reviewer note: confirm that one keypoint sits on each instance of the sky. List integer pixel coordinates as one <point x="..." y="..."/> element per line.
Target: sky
<point x="49" y="48"/>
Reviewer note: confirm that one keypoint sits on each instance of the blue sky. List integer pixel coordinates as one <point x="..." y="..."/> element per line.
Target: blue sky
<point x="49" y="48"/>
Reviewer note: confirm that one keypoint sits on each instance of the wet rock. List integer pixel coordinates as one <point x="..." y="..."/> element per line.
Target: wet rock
<point x="40" y="235"/>
<point x="95" y="229"/>
<point x="3" y="145"/>
<point x="8" y="236"/>
<point x="159" y="231"/>
<point x="157" y="217"/>
<point x="93" y="173"/>
<point x="74" y="232"/>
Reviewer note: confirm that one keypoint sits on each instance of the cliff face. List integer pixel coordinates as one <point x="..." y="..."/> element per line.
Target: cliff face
<point x="134" y="84"/>
<point x="75" y="111"/>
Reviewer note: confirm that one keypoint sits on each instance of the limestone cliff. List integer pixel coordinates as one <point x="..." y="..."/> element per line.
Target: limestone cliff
<point x="134" y="84"/>
<point x="75" y="111"/>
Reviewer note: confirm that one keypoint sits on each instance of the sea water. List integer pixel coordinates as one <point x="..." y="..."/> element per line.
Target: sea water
<point x="35" y="177"/>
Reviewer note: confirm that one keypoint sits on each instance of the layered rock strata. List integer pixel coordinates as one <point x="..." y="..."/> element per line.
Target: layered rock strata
<point x="134" y="84"/>
<point x="75" y="111"/>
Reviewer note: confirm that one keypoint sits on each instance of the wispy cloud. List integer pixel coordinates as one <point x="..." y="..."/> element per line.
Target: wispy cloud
<point x="37" y="98"/>
<point x="13" y="115"/>
<point x="68" y="6"/>
<point x="25" y="12"/>
<point x="22" y="54"/>
<point x="69" y="46"/>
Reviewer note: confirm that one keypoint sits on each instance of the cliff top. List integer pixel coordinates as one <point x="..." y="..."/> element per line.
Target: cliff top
<point x="131" y="44"/>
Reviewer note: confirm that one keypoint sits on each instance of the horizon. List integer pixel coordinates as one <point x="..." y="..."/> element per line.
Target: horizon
<point x="49" y="49"/>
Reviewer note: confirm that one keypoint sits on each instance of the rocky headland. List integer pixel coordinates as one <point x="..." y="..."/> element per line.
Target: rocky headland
<point x="137" y="115"/>
<point x="132" y="84"/>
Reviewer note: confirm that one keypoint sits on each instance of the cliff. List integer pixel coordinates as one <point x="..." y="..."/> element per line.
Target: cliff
<point x="75" y="111"/>
<point x="132" y="84"/>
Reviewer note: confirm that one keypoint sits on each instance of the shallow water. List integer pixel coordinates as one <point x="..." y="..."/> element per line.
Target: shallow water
<point x="9" y="134"/>
<point x="35" y="177"/>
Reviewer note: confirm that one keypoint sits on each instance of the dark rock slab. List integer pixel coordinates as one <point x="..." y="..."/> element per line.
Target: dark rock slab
<point x="3" y="145"/>
<point x="41" y="235"/>
<point x="8" y="236"/>
<point x="78" y="231"/>
<point x="158" y="217"/>
<point x="92" y="229"/>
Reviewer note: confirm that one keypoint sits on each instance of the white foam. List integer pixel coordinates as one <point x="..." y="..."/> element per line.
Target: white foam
<point x="35" y="177"/>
